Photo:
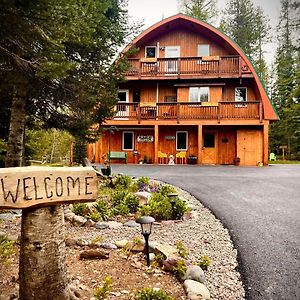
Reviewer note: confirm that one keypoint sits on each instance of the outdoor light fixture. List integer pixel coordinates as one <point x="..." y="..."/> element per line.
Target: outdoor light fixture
<point x="172" y="198"/>
<point x="146" y="224"/>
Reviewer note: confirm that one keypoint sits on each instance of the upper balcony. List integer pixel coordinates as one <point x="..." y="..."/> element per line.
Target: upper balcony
<point x="181" y="111"/>
<point x="187" y="67"/>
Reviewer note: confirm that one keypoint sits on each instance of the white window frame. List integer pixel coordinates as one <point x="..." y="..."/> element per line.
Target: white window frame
<point x="123" y="133"/>
<point x="150" y="47"/>
<point x="200" y="56"/>
<point x="242" y="104"/>
<point x="241" y="87"/>
<point x="198" y="97"/>
<point x="186" y="140"/>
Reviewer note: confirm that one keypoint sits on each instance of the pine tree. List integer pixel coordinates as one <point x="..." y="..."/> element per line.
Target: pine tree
<point x="203" y="10"/>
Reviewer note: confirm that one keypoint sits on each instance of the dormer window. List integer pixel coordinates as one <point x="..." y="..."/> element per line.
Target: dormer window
<point x="150" y="51"/>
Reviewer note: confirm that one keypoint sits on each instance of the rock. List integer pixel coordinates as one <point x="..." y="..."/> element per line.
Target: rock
<point x="135" y="247"/>
<point x="166" y="250"/>
<point x="82" y="243"/>
<point x="79" y="220"/>
<point x="153" y="245"/>
<point x="69" y="216"/>
<point x="170" y="263"/>
<point x="101" y="225"/>
<point x="167" y="223"/>
<point x="194" y="273"/>
<point x="132" y="224"/>
<point x="70" y="242"/>
<point x="196" y="290"/>
<point x="108" y="246"/>
<point x="7" y="216"/>
<point x="187" y="216"/>
<point x="94" y="253"/>
<point x="152" y="256"/>
<point x="89" y="223"/>
<point x="121" y="243"/>
<point x="2" y="233"/>
<point x="143" y="197"/>
<point x="114" y="224"/>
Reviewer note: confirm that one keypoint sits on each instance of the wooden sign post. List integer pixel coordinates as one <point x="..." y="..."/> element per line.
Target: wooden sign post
<point x="39" y="191"/>
<point x="283" y="147"/>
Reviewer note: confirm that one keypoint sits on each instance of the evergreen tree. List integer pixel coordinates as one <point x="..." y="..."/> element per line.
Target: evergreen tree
<point x="204" y="10"/>
<point x="286" y="89"/>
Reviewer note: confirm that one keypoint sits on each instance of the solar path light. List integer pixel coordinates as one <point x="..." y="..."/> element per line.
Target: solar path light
<point x="146" y="225"/>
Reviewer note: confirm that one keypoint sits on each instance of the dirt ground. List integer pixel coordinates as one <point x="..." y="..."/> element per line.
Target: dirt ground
<point x="128" y="274"/>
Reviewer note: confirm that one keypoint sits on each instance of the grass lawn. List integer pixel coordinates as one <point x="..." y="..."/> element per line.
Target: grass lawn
<point x="278" y="162"/>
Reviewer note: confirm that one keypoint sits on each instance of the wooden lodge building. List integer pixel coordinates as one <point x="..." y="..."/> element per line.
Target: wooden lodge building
<point x="192" y="93"/>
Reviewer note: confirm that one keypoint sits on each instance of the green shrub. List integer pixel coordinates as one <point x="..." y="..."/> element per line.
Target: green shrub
<point x="80" y="209"/>
<point x="143" y="183"/>
<point x="132" y="202"/>
<point x="181" y="249"/>
<point x="123" y="182"/>
<point x="101" y="292"/>
<point x="95" y="216"/>
<point x="159" y="207"/>
<point x="166" y="189"/>
<point x="103" y="210"/>
<point x="152" y="294"/>
<point x="180" y="269"/>
<point x="120" y="210"/>
<point x="204" y="262"/>
<point x="118" y="197"/>
<point x="180" y="207"/>
<point x="6" y="249"/>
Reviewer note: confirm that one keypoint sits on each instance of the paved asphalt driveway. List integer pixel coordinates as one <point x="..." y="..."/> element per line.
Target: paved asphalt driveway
<point x="260" y="207"/>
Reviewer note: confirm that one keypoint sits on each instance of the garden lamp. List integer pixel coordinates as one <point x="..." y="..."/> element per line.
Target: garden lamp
<point x="172" y="198"/>
<point x="146" y="225"/>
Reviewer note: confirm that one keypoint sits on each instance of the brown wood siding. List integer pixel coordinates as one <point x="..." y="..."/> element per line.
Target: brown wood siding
<point x="169" y="146"/>
<point x="250" y="146"/>
<point x="229" y="92"/>
<point x="226" y="146"/>
<point x="188" y="42"/>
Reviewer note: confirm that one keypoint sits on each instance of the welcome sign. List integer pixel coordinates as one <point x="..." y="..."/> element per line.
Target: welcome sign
<point x="44" y="186"/>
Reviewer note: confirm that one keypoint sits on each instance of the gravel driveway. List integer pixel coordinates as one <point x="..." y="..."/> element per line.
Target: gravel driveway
<point x="261" y="209"/>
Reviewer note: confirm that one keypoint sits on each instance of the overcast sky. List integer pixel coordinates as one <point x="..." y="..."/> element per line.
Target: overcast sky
<point x="152" y="11"/>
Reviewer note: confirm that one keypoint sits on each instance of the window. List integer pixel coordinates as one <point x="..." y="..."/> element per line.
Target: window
<point x="150" y="51"/>
<point x="199" y="94"/>
<point x="241" y="94"/>
<point x="203" y="50"/>
<point x="127" y="140"/>
<point x="209" y="140"/>
<point x="181" y="140"/>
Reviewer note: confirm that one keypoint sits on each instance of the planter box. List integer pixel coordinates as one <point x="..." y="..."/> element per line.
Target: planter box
<point x="192" y="160"/>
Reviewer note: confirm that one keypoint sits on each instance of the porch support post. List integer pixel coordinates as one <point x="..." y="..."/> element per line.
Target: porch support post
<point x="199" y="144"/>
<point x="156" y="144"/>
<point x="266" y="143"/>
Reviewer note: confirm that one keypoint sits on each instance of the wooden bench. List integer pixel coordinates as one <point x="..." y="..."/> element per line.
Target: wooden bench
<point x="117" y="155"/>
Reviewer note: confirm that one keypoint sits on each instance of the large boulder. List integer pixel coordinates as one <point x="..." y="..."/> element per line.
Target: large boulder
<point x="166" y="250"/>
<point x="194" y="273"/>
<point x="196" y="290"/>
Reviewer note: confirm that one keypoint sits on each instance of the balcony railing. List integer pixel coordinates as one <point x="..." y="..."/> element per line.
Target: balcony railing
<point x="189" y="110"/>
<point x="215" y="66"/>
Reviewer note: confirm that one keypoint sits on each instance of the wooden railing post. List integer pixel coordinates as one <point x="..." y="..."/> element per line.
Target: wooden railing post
<point x="260" y="112"/>
<point x="139" y="113"/>
<point x="179" y="66"/>
<point x="178" y="112"/>
<point x="219" y="112"/>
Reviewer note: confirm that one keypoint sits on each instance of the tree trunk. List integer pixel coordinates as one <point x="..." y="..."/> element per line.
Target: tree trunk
<point x="42" y="255"/>
<point x="42" y="269"/>
<point x="14" y="156"/>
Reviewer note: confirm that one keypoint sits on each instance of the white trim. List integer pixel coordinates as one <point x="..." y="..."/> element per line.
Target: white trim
<point x="150" y="47"/>
<point x="198" y="96"/>
<point x="171" y="67"/>
<point x="123" y="132"/>
<point x="186" y="140"/>
<point x="240" y="87"/>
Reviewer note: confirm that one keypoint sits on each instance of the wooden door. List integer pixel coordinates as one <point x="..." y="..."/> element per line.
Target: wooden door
<point x="227" y="146"/>
<point x="249" y="147"/>
<point x="209" y="149"/>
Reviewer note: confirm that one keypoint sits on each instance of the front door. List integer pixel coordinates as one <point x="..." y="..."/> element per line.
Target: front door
<point x="209" y="149"/>
<point x="122" y="107"/>
<point x="227" y="146"/>
<point x="172" y="53"/>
